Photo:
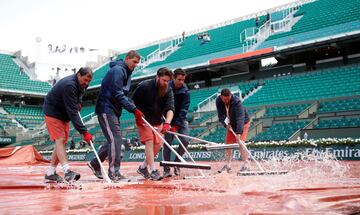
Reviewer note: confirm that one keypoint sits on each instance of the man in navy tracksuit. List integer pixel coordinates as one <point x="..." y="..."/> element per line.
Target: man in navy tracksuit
<point x="62" y="105"/>
<point x="111" y="99"/>
<point x="235" y="118"/>
<point x="178" y="123"/>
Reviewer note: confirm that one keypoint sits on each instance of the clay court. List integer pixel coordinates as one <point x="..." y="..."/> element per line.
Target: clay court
<point x="281" y="76"/>
<point x="319" y="186"/>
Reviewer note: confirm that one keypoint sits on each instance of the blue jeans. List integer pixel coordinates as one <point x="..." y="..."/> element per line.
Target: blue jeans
<point x="180" y="150"/>
<point x="111" y="148"/>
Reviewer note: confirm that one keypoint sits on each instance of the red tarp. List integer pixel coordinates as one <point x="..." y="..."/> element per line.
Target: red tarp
<point x="20" y="155"/>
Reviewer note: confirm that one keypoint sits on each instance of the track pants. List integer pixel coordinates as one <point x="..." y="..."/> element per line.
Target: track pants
<point x="110" y="126"/>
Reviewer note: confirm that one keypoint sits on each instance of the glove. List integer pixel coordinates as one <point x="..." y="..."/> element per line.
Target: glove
<point x="87" y="137"/>
<point x="80" y="107"/>
<point x="174" y="128"/>
<point x="166" y="127"/>
<point x="138" y="117"/>
<point x="138" y="114"/>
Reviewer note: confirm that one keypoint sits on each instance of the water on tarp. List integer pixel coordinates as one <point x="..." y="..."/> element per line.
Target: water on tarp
<point x="314" y="184"/>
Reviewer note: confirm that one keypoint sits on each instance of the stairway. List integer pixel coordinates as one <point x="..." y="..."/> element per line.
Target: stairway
<point x="251" y="38"/>
<point x="161" y="53"/>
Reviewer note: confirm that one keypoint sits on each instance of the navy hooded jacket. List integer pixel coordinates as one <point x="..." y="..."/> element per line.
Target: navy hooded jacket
<point x="114" y="89"/>
<point x="181" y="104"/>
<point x="63" y="102"/>
<point x="238" y="115"/>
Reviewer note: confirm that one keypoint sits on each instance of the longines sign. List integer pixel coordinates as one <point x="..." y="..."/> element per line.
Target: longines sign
<point x="7" y="140"/>
<point x="340" y="151"/>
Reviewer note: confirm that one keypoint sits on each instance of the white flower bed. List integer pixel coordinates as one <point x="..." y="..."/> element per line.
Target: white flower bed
<point x="297" y="143"/>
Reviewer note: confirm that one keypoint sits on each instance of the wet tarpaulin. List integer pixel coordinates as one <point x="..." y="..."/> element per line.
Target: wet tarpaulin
<point x="312" y="186"/>
<point x="20" y="155"/>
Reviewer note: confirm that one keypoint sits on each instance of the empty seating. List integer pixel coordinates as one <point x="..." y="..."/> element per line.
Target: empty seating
<point x="203" y="117"/>
<point x="338" y="123"/>
<point x="343" y="81"/>
<point x="340" y="105"/>
<point x="222" y="38"/>
<point x="30" y="122"/>
<point x="87" y="110"/>
<point x="320" y="19"/>
<point x="288" y="110"/>
<point x="252" y="111"/>
<point x="25" y="110"/>
<point x="5" y="121"/>
<point x="199" y="95"/>
<point x="196" y="131"/>
<point x="224" y="41"/>
<point x="217" y="136"/>
<point x="247" y="87"/>
<point x="13" y="79"/>
<point x="28" y="116"/>
<point x="280" y="131"/>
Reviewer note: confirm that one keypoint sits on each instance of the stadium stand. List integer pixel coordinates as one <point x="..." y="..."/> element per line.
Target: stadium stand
<point x="24" y="110"/>
<point x="202" y="118"/>
<point x="14" y="80"/>
<point x="287" y="110"/>
<point x="338" y="123"/>
<point x="225" y="40"/>
<point x="343" y="81"/>
<point x="340" y="105"/>
<point x="280" y="131"/>
<point x="28" y="116"/>
<point x="5" y="122"/>
<point x="318" y="19"/>
<point x="217" y="136"/>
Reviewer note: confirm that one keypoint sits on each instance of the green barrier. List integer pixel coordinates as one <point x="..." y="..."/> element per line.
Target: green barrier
<point x="7" y="140"/>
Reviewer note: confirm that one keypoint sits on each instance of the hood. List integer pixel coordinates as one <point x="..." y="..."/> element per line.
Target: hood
<point x="120" y="62"/>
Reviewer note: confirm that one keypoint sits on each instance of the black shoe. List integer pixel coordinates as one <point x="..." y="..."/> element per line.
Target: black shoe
<point x="176" y="171"/>
<point x="166" y="173"/>
<point x="116" y="177"/>
<point x="54" y="178"/>
<point x="96" y="172"/>
<point x="244" y="169"/>
<point x="144" y="172"/>
<point x="225" y="167"/>
<point x="155" y="175"/>
<point x="72" y="176"/>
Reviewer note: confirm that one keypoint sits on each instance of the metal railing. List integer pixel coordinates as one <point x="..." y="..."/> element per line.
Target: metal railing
<point x="208" y="104"/>
<point x="160" y="54"/>
<point x="253" y="37"/>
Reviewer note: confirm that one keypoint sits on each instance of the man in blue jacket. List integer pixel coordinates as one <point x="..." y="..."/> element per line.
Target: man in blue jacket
<point x="62" y="105"/>
<point x="178" y="123"/>
<point x="112" y="98"/>
<point x="235" y="118"/>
